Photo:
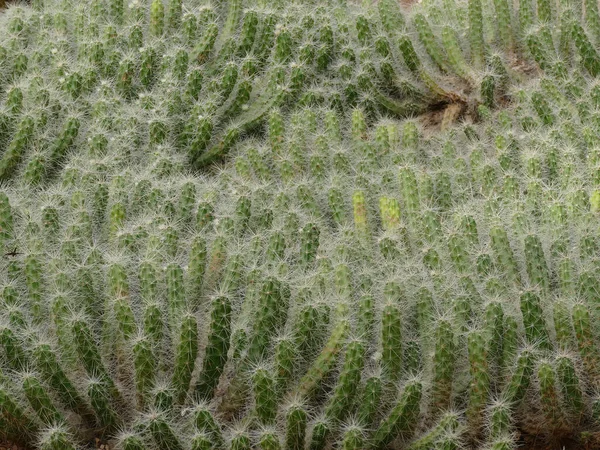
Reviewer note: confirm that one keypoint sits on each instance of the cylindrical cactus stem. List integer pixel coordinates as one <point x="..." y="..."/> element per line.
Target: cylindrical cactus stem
<point x="431" y="45"/>
<point x="325" y="361"/>
<point x="145" y="364"/>
<point x="345" y="390"/>
<point x="163" y="397"/>
<point x="320" y="433"/>
<point x="295" y="427"/>
<point x="504" y="254"/>
<point x="454" y="52"/>
<point x="157" y="18"/>
<point x="587" y="52"/>
<point x="185" y="357"/>
<point x="6" y="220"/>
<point x="50" y="369"/>
<point x="402" y="418"/>
<point x="390" y="16"/>
<point x="309" y="243"/>
<point x="549" y="397"/>
<point x="203" y="50"/>
<point x="370" y="401"/>
<point x="449" y="423"/>
<point x="444" y="361"/>
<point x="504" y="20"/>
<point x="40" y="401"/>
<point x="205" y="422"/>
<point x="265" y="396"/>
<point x="269" y="440"/>
<point x="570" y="388"/>
<point x="360" y="216"/>
<point x="173" y="16"/>
<point x="196" y="268"/>
<point x="131" y="441"/>
<point x="562" y="326"/>
<point x="586" y="342"/>
<point x="520" y="378"/>
<point x="476" y="33"/>
<point x="215" y="355"/>
<point x="480" y="378"/>
<point x="510" y="342"/>
<point x="353" y="438"/>
<point x="201" y="441"/>
<point x="100" y="399"/>
<point x="536" y="331"/>
<point x="89" y="355"/>
<point x="57" y="438"/>
<point x="176" y="298"/>
<point x="163" y="434"/>
<point x="15" y="355"/>
<point x="272" y="311"/>
<point x="488" y="88"/>
<point x="543" y="108"/>
<point x="20" y="425"/>
<point x="218" y="254"/>
<point x="17" y="148"/>
<point x="592" y="18"/>
<point x="285" y="361"/>
<point x="391" y="342"/>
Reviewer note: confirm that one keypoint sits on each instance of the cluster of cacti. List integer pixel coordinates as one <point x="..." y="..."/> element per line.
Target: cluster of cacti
<point x="224" y="226"/>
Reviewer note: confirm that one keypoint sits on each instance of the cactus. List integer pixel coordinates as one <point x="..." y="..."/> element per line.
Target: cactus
<point x="402" y="418"/>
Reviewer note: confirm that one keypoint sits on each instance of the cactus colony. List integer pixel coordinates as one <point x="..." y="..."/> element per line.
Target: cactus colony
<point x="224" y="225"/>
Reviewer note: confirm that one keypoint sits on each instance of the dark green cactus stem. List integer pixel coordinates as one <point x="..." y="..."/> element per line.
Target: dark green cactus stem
<point x="570" y="388"/>
<point x="347" y="385"/>
<point x="185" y="357"/>
<point x="448" y="423"/>
<point x="586" y="341"/>
<point x="480" y="378"/>
<point x="40" y="401"/>
<point x="56" y="438"/>
<point x="325" y="361"/>
<point x="402" y="418"/>
<point x="444" y="361"/>
<point x="215" y="355"/>
<point x="163" y="435"/>
<point x="100" y="399"/>
<point x="265" y="396"/>
<point x="587" y="52"/>
<point x="533" y="321"/>
<point x="295" y="427"/>
<point x="549" y="395"/>
<point x="476" y="33"/>
<point x="391" y="341"/>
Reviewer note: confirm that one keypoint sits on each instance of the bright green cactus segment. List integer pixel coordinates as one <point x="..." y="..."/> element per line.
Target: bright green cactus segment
<point x="448" y="423"/>
<point x="391" y="341"/>
<point x="40" y="401"/>
<point x="100" y="399"/>
<point x="570" y="387"/>
<point x="476" y="33"/>
<point x="586" y="341"/>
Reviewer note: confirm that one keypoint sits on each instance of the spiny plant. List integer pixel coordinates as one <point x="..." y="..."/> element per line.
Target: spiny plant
<point x="249" y="224"/>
